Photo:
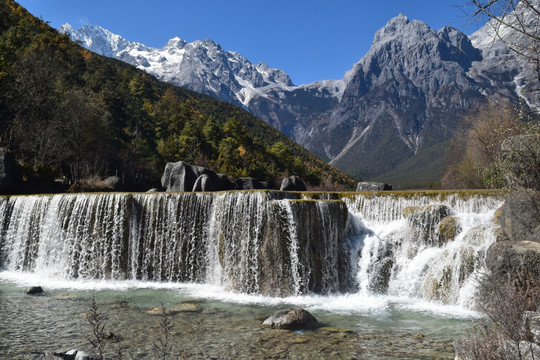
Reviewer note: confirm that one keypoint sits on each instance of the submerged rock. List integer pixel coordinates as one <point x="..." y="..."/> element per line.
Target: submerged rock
<point x="66" y="296"/>
<point x="424" y="222"/>
<point x="184" y="307"/>
<point x="292" y="319"/>
<point x="34" y="290"/>
<point x="449" y="227"/>
<point x="69" y="355"/>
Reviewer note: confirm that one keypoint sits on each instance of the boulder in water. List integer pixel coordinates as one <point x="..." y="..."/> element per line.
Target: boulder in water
<point x="424" y="221"/>
<point x="73" y="355"/>
<point x="292" y="319"/>
<point x="421" y="212"/>
<point x="382" y="274"/>
<point x="449" y="227"/>
<point x="209" y="180"/>
<point x="293" y="183"/>
<point x="372" y="186"/>
<point x="34" y="290"/>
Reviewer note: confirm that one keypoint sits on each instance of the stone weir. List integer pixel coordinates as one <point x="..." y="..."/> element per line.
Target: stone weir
<point x="271" y="243"/>
<point x="260" y="242"/>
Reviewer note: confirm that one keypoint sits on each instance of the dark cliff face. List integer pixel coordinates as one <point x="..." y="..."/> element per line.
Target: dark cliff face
<point x="405" y="97"/>
<point x="297" y="112"/>
<point x="400" y="105"/>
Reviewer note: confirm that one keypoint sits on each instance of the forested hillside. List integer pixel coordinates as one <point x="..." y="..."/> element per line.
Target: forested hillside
<point x="65" y="111"/>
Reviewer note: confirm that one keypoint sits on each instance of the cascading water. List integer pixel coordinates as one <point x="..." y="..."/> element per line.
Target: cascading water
<point x="423" y="247"/>
<point x="259" y="242"/>
<point x="167" y="237"/>
<point x="80" y="236"/>
<point x="313" y="238"/>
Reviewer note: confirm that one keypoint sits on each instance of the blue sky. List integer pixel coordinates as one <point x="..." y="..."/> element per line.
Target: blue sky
<point x="310" y="39"/>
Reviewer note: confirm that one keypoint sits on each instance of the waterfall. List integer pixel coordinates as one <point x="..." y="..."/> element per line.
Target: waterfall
<point x="80" y="236"/>
<point x="313" y="238"/>
<point x="423" y="246"/>
<point x="261" y="242"/>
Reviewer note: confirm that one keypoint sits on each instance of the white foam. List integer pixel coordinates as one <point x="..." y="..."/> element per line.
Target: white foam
<point x="346" y="304"/>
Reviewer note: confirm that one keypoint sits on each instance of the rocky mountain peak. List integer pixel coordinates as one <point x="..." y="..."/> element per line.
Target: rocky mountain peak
<point x="411" y="49"/>
<point x="66" y="29"/>
<point x="400" y="27"/>
<point x="209" y="43"/>
<point x="98" y="39"/>
<point x="507" y="53"/>
<point x="176" y="42"/>
<point x="262" y="66"/>
<point x="273" y="75"/>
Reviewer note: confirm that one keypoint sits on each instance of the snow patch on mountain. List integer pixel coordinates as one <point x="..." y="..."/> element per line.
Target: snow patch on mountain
<point x="202" y="66"/>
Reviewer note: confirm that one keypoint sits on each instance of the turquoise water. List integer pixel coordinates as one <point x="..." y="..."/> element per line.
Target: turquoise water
<point x="226" y="326"/>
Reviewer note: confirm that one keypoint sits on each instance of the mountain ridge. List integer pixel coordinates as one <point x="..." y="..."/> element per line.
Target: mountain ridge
<point x="183" y="63"/>
<point x="403" y="97"/>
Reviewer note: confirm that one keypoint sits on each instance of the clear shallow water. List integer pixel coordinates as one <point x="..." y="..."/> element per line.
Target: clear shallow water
<point x="228" y="326"/>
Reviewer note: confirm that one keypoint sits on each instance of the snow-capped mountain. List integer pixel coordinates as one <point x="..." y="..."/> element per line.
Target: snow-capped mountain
<point x="202" y="66"/>
<point x="395" y="110"/>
